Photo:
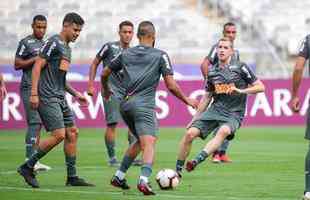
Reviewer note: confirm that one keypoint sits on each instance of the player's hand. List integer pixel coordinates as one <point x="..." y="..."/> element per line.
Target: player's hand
<point x="295" y="104"/>
<point x="106" y="94"/>
<point x="193" y="103"/>
<point x="91" y="90"/>
<point x="3" y="92"/>
<point x="82" y="99"/>
<point x="34" y="101"/>
<point x="233" y="89"/>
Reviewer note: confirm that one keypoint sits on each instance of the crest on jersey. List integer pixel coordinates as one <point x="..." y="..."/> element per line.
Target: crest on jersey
<point x="115" y="46"/>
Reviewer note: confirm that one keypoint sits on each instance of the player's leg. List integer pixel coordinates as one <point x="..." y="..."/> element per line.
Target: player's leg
<point x="132" y="139"/>
<point x="33" y="129"/>
<point x="109" y="139"/>
<point x="112" y="117"/>
<point x="185" y="147"/>
<point x="70" y="146"/>
<point x="27" y="168"/>
<point x="146" y="127"/>
<point x="118" y="180"/>
<point x="52" y="118"/>
<point x="307" y="160"/>
<point x="147" y="144"/>
<point x="223" y="152"/>
<point x="307" y="175"/>
<point x="226" y="130"/>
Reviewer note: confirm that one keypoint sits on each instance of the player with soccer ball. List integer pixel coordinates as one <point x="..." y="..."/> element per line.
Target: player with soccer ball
<point x="228" y="85"/>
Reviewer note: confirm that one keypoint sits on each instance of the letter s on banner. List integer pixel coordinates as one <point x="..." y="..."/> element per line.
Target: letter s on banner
<point x="162" y="105"/>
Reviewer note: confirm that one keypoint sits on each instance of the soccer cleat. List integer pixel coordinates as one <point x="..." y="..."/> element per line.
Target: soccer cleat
<point x="306" y="196"/>
<point x="41" y="167"/>
<point x="113" y="162"/>
<point x="190" y="165"/>
<point x="137" y="162"/>
<point x="145" y="188"/>
<point x="116" y="182"/>
<point x="28" y="175"/>
<point x="77" y="181"/>
<point x="224" y="158"/>
<point x="216" y="158"/>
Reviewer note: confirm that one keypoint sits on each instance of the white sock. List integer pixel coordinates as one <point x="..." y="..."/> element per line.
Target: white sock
<point x="144" y="179"/>
<point x="120" y="174"/>
<point x="307" y="195"/>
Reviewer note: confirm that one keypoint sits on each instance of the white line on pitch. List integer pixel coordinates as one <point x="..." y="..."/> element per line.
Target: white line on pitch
<point x="134" y="196"/>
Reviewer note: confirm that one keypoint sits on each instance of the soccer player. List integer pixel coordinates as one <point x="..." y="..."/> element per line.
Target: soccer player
<point x="303" y="55"/>
<point x="111" y="106"/>
<point x="229" y="31"/>
<point x="228" y="84"/>
<point x="54" y="62"/>
<point x="142" y="67"/>
<point x="27" y="52"/>
<point x="3" y="91"/>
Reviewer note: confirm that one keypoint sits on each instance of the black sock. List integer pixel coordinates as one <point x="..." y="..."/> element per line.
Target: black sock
<point x="71" y="168"/>
<point x="35" y="157"/>
<point x="179" y="165"/>
<point x="201" y="156"/>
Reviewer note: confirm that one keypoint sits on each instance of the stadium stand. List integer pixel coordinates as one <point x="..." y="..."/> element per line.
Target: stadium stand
<point x="186" y="28"/>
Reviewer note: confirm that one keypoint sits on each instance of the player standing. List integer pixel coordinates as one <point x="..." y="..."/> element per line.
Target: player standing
<point x="111" y="106"/>
<point x="303" y="56"/>
<point x="27" y="52"/>
<point x="142" y="67"/>
<point x="54" y="62"/>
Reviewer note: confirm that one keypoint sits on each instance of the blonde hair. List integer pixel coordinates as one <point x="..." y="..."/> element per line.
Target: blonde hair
<point x="226" y="39"/>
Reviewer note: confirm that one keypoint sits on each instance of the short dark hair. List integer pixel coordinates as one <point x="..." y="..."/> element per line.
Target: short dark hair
<point x="145" y="28"/>
<point x="38" y="18"/>
<point x="228" y="24"/>
<point x="73" y="18"/>
<point x="125" y="23"/>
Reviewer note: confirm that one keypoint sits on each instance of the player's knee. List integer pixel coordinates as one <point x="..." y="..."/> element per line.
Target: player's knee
<point x="147" y="141"/>
<point x="72" y="134"/>
<point x="225" y="130"/>
<point x="190" y="135"/>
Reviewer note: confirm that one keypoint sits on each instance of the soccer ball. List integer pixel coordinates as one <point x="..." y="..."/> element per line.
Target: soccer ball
<point x="167" y="179"/>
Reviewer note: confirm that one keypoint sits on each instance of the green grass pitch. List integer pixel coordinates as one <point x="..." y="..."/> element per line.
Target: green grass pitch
<point x="268" y="164"/>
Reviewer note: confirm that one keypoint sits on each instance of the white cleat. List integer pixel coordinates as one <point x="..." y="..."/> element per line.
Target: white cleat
<point x="41" y="167"/>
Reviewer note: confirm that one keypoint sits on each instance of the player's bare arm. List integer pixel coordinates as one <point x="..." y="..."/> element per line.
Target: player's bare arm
<point x="80" y="97"/>
<point x="92" y="75"/>
<point x="104" y="82"/>
<point x="297" y="76"/>
<point x="204" y="67"/>
<point x="20" y="63"/>
<point x="3" y="91"/>
<point x="174" y="88"/>
<point x="36" y="72"/>
<point x="257" y="87"/>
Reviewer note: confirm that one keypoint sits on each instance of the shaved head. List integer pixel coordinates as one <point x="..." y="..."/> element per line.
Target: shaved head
<point x="146" y="29"/>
